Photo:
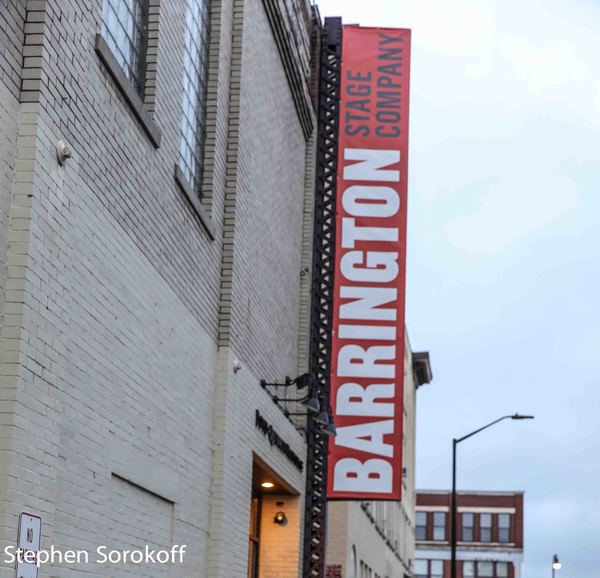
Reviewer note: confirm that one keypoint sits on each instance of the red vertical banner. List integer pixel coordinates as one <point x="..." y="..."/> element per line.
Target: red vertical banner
<point x="367" y="363"/>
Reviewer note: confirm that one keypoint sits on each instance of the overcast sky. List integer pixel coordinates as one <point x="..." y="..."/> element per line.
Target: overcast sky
<point x="504" y="254"/>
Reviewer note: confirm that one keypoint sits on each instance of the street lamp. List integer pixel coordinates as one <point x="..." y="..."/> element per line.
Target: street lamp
<point x="556" y="565"/>
<point x="455" y="442"/>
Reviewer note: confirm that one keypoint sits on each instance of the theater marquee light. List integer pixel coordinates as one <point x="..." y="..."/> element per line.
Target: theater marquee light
<point x="367" y="363"/>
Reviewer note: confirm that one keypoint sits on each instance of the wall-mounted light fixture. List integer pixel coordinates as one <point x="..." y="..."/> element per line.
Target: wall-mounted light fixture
<point x="314" y="401"/>
<point x="63" y="152"/>
<point x="280" y="519"/>
<point x="267" y="485"/>
<point x="329" y="429"/>
<point x="310" y="401"/>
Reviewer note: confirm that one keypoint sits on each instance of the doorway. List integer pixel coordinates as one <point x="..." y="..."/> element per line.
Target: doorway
<point x="274" y="532"/>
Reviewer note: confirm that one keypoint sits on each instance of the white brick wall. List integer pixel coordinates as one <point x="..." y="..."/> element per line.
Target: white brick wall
<point x="137" y="517"/>
<point x="281" y="550"/>
<point x="12" y="30"/>
<point x="112" y="293"/>
<point x="236" y="440"/>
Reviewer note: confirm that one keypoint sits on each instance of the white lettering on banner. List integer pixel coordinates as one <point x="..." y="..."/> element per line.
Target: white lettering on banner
<point x="355" y="361"/>
<point x="368" y="303"/>
<point x="367" y="332"/>
<point x="371" y="332"/>
<point x="354" y="399"/>
<point x="351" y="201"/>
<point x="370" y="165"/>
<point x="381" y="266"/>
<point x="367" y="437"/>
<point x="352" y="233"/>
<point x="372" y="476"/>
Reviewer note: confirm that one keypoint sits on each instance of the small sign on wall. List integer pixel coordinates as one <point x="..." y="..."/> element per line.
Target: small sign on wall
<point x="28" y="543"/>
<point x="333" y="571"/>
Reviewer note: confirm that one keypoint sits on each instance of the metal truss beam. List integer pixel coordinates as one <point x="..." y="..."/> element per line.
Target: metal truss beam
<point x="315" y="520"/>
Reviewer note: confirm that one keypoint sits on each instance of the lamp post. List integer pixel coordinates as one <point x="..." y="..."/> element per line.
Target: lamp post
<point x="556" y="565"/>
<point x="453" y="516"/>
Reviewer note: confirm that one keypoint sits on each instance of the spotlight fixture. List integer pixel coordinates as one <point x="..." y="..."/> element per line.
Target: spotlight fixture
<point x="311" y="403"/>
<point x="329" y="429"/>
<point x="322" y="418"/>
<point x="280" y="519"/>
<point x="304" y="380"/>
<point x="268" y="485"/>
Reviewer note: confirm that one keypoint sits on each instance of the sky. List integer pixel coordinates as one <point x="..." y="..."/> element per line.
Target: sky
<point x="503" y="275"/>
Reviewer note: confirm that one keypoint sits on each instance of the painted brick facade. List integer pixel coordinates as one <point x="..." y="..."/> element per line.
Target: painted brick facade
<point x="122" y="319"/>
<point x="12" y="35"/>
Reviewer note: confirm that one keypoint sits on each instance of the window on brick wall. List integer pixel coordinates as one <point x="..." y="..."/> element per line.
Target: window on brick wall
<point x="468" y="522"/>
<point x="504" y="528"/>
<point x="125" y="29"/>
<point x="485" y="569"/>
<point x="485" y="527"/>
<point x="429" y="568"/>
<point x="421" y="568"/>
<point x="195" y="72"/>
<point x="439" y="525"/>
<point x="436" y="568"/>
<point x="421" y="527"/>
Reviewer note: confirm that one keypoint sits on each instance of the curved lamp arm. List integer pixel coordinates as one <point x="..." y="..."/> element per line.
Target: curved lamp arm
<point x="514" y="416"/>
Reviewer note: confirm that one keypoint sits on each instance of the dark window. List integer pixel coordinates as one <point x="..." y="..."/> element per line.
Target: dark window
<point x="439" y="525"/>
<point x="421" y="529"/>
<point x="195" y="72"/>
<point x="485" y="528"/>
<point x="125" y="29"/>
<point x="504" y="528"/>
<point x="468" y="521"/>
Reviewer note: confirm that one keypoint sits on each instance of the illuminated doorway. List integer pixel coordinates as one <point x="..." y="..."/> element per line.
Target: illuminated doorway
<point x="274" y="531"/>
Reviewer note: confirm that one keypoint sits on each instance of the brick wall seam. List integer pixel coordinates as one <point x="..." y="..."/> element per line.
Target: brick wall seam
<point x="231" y="171"/>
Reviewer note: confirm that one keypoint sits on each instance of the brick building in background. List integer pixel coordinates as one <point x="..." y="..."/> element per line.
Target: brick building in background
<point x="375" y="539"/>
<point x="490" y="534"/>
<point x="152" y="278"/>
